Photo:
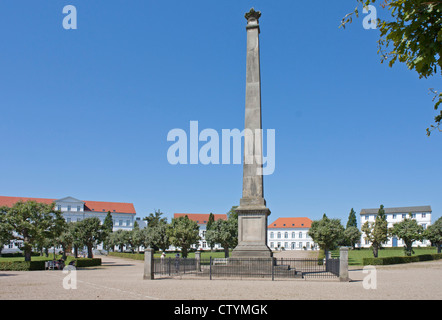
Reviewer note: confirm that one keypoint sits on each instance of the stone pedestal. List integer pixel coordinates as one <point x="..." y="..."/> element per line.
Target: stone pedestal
<point x="343" y="264"/>
<point x="148" y="264"/>
<point x="252" y="211"/>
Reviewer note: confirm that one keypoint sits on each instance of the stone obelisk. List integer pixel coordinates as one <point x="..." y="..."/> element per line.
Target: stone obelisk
<point x="252" y="211"/>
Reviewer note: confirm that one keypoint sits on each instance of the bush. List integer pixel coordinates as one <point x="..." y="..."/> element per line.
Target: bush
<point x="84" y="262"/>
<point x="22" y="265"/>
<point x="398" y="260"/>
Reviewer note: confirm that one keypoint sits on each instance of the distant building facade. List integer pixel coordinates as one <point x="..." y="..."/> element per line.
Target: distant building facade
<point x="73" y="210"/>
<point x="422" y="215"/>
<point x="290" y="234"/>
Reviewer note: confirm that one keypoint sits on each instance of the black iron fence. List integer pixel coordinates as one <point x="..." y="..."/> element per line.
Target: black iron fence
<point x="267" y="268"/>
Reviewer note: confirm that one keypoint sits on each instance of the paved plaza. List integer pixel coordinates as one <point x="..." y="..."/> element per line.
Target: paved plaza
<point x="120" y="279"/>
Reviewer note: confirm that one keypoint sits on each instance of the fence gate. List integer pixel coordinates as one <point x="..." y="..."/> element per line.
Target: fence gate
<point x="267" y="268"/>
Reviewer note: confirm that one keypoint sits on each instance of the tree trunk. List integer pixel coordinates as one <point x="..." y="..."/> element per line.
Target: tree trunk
<point x="226" y="251"/>
<point x="89" y="251"/>
<point x="375" y="250"/>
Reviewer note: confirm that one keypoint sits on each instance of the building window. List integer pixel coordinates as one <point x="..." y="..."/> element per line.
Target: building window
<point x="300" y="234"/>
<point x="404" y="216"/>
<point x="59" y="207"/>
<point x="272" y="244"/>
<point x="424" y="215"/>
<point x="271" y="235"/>
<point x="68" y="220"/>
<point x="286" y="235"/>
<point x="279" y="235"/>
<point x="78" y="208"/>
<point x="120" y="222"/>
<point x="366" y="217"/>
<point x="128" y="223"/>
<point x="286" y="244"/>
<point x="394" y="216"/>
<point x="69" y="208"/>
<point x="300" y="245"/>
<point x="293" y="235"/>
<point x="424" y="225"/>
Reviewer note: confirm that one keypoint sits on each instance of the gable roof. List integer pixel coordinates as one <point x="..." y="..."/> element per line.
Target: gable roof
<point x="200" y="218"/>
<point x="398" y="210"/>
<point x="94" y="206"/>
<point x="301" y="222"/>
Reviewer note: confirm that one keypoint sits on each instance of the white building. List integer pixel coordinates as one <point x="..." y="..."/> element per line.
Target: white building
<point x="422" y="215"/>
<point x="201" y="219"/>
<point x="123" y="214"/>
<point x="290" y="234"/>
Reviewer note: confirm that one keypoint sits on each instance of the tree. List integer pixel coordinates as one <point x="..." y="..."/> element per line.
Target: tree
<point x="326" y="232"/>
<point x="65" y="238"/>
<point x="183" y="233"/>
<point x="376" y="232"/>
<point x="224" y="232"/>
<point x="90" y="233"/>
<point x="107" y="227"/>
<point x="5" y="228"/>
<point x="154" y="218"/>
<point x="413" y="37"/>
<point x="409" y="231"/>
<point x="352" y="220"/>
<point x="208" y="227"/>
<point x="352" y="235"/>
<point x="434" y="234"/>
<point x="119" y="238"/>
<point x="33" y="221"/>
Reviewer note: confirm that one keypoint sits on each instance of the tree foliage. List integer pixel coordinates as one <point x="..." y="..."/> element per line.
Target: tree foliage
<point x="376" y="232"/>
<point x="183" y="233"/>
<point x="412" y="36"/>
<point x="434" y="234"/>
<point x="326" y="232"/>
<point x="33" y="222"/>
<point x="409" y="231"/>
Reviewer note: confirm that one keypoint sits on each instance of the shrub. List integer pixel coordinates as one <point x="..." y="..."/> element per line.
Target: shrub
<point x="84" y="262"/>
<point x="22" y="265"/>
<point x="398" y="260"/>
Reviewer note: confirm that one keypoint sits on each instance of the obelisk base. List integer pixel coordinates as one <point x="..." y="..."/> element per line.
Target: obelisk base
<point x="252" y="232"/>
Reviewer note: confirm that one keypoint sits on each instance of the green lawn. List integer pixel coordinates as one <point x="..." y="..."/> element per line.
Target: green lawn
<point x="355" y="256"/>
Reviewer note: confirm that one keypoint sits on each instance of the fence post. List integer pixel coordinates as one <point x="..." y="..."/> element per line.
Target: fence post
<point x="210" y="268"/>
<point x="148" y="264"/>
<point x="343" y="264"/>
<point x="273" y="268"/>
<point x="198" y="260"/>
<point x="169" y="265"/>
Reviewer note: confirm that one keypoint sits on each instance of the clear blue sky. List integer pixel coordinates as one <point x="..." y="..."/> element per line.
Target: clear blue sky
<point x="86" y="112"/>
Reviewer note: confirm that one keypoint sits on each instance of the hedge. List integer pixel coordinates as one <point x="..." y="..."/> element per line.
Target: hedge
<point x="84" y="262"/>
<point x="40" y="265"/>
<point x="398" y="260"/>
<point x="22" y="265"/>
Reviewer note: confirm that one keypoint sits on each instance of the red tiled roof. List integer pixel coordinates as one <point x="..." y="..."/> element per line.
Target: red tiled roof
<point x="95" y="206"/>
<point x="200" y="218"/>
<point x="291" y="223"/>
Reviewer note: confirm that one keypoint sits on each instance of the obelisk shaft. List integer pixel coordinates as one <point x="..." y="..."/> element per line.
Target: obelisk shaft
<point x="252" y="211"/>
<point x="253" y="191"/>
